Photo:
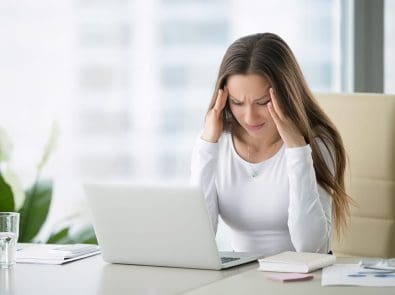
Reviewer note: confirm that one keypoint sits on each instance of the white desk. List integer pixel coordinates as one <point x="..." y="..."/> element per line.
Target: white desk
<point x="94" y="276"/>
<point x="255" y="282"/>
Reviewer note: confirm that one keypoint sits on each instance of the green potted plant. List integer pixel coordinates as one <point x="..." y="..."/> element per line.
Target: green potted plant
<point x="34" y="203"/>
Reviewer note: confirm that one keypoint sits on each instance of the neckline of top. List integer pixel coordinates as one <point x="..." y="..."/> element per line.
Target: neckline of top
<point x="254" y="164"/>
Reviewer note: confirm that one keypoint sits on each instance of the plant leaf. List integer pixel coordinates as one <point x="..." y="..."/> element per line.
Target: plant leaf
<point x="5" y="145"/>
<point x="12" y="179"/>
<point x="60" y="237"/>
<point x="7" y="203"/>
<point x="34" y="211"/>
<point x="84" y="235"/>
<point x="50" y="146"/>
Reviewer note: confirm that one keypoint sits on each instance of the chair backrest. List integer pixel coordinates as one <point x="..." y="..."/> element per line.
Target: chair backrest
<point x="366" y="123"/>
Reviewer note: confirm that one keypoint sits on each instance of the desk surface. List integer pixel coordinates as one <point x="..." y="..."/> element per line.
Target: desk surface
<point x="94" y="276"/>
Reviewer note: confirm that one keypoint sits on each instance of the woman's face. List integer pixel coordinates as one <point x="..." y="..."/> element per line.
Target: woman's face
<point x="248" y="99"/>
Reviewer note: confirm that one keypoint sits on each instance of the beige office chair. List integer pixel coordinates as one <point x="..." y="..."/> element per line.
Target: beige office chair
<point x="367" y="125"/>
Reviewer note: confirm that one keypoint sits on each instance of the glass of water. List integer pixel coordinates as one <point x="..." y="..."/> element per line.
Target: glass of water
<point x="9" y="229"/>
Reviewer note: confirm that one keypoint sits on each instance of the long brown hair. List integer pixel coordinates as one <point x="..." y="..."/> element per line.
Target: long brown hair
<point x="268" y="55"/>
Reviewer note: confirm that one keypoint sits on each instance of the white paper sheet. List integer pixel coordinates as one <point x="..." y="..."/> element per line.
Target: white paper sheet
<point x="53" y="253"/>
<point x="355" y="275"/>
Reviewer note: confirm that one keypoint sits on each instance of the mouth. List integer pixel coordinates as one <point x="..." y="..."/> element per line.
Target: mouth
<point x="254" y="128"/>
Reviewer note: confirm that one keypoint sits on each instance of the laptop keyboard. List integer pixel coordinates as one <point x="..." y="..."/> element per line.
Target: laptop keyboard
<point x="228" y="259"/>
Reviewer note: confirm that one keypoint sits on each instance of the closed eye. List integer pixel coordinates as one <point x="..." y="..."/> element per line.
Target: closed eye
<point x="263" y="103"/>
<point x="238" y="103"/>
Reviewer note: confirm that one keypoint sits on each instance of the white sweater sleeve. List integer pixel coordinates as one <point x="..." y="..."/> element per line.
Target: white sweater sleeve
<point x="309" y="211"/>
<point x="203" y="169"/>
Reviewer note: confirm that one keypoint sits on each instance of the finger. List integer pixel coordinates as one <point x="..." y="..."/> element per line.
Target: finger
<point x="274" y="114"/>
<point x="221" y="100"/>
<point x="217" y="104"/>
<point x="275" y="105"/>
<point x="224" y="97"/>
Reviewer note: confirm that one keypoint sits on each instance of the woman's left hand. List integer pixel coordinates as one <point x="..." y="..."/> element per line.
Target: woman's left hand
<point x="288" y="131"/>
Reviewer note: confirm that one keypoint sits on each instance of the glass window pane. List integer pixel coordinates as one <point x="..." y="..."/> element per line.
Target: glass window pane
<point x="389" y="46"/>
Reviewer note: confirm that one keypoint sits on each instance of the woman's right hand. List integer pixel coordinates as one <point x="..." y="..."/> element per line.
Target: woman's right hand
<point x="213" y="125"/>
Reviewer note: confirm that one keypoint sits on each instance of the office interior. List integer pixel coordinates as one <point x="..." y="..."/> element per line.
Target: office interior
<point x="125" y="86"/>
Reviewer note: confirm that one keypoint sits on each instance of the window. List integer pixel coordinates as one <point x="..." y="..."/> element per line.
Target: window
<point x="389" y="46"/>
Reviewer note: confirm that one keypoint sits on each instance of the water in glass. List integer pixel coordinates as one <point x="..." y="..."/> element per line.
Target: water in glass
<point x="7" y="249"/>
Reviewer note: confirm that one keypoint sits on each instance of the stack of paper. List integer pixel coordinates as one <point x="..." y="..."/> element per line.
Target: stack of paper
<point x="381" y="264"/>
<point x="53" y="253"/>
<point x="301" y="262"/>
<point x="355" y="275"/>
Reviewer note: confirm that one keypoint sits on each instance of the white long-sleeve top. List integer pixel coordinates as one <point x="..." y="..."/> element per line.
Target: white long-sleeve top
<point x="281" y="209"/>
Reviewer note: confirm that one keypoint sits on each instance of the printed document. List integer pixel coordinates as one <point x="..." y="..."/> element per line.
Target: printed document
<point x="355" y="275"/>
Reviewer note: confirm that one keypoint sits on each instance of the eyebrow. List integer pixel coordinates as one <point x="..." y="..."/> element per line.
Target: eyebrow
<point x="260" y="98"/>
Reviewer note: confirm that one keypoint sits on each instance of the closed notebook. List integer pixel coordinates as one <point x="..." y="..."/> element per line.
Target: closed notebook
<point x="301" y="262"/>
<point x="53" y="253"/>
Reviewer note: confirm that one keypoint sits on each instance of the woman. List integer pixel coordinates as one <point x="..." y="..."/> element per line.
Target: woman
<point x="269" y="160"/>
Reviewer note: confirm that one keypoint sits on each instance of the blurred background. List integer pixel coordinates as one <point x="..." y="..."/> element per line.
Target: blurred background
<point x="129" y="81"/>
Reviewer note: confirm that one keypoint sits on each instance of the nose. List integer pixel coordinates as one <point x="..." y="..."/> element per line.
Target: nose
<point x="251" y="116"/>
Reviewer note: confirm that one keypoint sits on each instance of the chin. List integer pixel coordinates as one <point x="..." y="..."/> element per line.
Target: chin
<point x="256" y="134"/>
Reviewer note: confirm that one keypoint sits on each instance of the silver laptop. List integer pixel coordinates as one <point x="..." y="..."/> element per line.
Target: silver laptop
<point x="157" y="225"/>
